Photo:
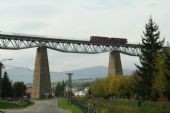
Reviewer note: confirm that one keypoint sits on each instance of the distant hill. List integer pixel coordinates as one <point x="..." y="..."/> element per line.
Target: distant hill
<point x="26" y="75"/>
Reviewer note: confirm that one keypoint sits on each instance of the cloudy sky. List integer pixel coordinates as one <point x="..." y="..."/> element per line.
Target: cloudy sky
<point x="79" y="19"/>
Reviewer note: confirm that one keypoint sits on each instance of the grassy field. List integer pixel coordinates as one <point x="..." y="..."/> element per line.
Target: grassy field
<point x="11" y="105"/>
<point x="74" y="109"/>
<point x="127" y="106"/>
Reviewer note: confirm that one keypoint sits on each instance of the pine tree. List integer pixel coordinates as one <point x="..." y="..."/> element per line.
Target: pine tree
<point x="150" y="46"/>
<point x="6" y="86"/>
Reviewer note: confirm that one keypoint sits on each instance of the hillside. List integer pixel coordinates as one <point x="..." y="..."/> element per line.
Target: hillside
<point x="26" y="75"/>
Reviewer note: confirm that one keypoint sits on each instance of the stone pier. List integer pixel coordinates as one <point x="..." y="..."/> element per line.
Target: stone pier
<point x="115" y="66"/>
<point x="41" y="80"/>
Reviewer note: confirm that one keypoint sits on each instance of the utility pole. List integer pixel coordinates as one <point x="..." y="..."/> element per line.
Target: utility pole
<point x="69" y="84"/>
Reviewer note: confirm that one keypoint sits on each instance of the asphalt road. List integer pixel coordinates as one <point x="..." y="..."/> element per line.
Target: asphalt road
<point x="40" y="106"/>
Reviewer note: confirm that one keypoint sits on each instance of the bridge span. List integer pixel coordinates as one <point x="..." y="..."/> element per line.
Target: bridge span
<point x="15" y="41"/>
<point x="41" y="80"/>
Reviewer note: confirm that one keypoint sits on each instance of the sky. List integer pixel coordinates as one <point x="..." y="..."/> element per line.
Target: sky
<point x="79" y="19"/>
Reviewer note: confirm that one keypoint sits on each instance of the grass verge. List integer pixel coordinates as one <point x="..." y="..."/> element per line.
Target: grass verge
<point x="127" y="106"/>
<point x="12" y="105"/>
<point x="1" y="112"/>
<point x="63" y="105"/>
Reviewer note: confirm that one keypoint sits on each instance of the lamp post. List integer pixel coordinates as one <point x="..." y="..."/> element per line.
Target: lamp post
<point x="2" y="66"/>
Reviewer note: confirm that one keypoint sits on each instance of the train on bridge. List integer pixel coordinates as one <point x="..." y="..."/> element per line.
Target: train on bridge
<point x="107" y="40"/>
<point x="93" y="39"/>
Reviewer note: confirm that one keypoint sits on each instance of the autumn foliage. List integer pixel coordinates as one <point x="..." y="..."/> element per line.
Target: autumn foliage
<point x="113" y="86"/>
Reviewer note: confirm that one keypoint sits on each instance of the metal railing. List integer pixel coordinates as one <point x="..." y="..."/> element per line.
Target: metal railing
<point x="84" y="108"/>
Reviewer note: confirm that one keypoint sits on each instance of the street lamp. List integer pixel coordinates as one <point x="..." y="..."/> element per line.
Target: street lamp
<point x="2" y="66"/>
<point x="6" y="59"/>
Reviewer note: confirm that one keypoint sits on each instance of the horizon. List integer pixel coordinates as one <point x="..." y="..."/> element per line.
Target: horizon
<point x="23" y="74"/>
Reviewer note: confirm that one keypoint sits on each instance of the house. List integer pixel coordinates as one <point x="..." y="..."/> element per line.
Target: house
<point x="80" y="91"/>
<point x="28" y="91"/>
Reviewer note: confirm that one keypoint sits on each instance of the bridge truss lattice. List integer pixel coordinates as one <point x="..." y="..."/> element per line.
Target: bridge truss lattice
<point x="18" y="41"/>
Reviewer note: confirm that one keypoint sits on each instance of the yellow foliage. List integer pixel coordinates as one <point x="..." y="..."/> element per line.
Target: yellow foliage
<point x="109" y="86"/>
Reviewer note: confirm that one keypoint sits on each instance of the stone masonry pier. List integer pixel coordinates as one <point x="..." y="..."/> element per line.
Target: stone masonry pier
<point x="115" y="66"/>
<point x="41" y="80"/>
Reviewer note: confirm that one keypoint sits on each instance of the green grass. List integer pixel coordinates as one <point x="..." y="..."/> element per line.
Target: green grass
<point x="63" y="105"/>
<point x="127" y="106"/>
<point x="12" y="105"/>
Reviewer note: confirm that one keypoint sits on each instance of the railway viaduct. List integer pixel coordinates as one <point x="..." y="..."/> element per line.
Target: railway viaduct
<point x="41" y="79"/>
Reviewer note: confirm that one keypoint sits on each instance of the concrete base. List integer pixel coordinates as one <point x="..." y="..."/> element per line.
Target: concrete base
<point x="115" y="66"/>
<point x="41" y="80"/>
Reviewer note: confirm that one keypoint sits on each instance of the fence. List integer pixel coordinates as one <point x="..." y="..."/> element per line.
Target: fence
<point x="84" y="108"/>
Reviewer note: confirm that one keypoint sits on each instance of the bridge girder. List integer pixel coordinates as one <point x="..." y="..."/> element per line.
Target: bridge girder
<point x="15" y="42"/>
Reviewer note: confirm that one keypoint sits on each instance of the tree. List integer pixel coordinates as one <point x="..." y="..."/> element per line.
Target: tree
<point x="135" y="87"/>
<point x="149" y="48"/>
<point x="111" y="86"/>
<point x="6" y="86"/>
<point x="60" y="89"/>
<point x="19" y="89"/>
<point x="98" y="88"/>
<point x="57" y="90"/>
<point x="167" y="62"/>
<point x="159" y="85"/>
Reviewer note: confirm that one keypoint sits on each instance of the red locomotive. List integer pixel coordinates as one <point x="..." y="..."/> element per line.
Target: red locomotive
<point x="107" y="40"/>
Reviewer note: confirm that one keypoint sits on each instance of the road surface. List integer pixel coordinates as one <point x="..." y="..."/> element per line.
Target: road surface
<point x="40" y="106"/>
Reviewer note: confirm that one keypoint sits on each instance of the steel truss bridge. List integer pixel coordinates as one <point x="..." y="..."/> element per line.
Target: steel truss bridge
<point x="41" y="80"/>
<point x="14" y="41"/>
